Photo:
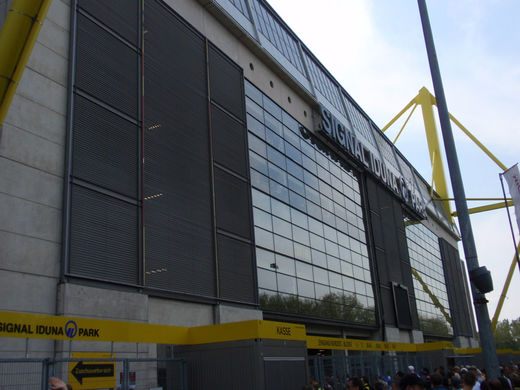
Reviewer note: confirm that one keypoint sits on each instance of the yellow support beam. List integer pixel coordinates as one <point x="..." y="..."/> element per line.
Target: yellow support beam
<point x="489" y="207"/>
<point x="425" y="99"/>
<point x="17" y="38"/>
<point x="412" y="102"/>
<point x="504" y="289"/>
<point x="405" y="122"/>
<point x="432" y="296"/>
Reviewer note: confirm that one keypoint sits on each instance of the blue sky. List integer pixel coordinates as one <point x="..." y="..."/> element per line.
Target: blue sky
<point x="375" y="49"/>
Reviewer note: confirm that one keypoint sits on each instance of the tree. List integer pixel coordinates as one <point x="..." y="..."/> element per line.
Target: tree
<point x="507" y="334"/>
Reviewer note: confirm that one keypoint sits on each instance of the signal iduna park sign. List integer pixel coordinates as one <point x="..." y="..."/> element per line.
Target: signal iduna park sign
<point x="346" y="141"/>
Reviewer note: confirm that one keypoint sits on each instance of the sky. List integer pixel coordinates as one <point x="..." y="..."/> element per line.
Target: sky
<point x="376" y="50"/>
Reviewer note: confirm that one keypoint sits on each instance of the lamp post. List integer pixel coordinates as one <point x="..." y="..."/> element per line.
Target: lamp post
<point x="468" y="241"/>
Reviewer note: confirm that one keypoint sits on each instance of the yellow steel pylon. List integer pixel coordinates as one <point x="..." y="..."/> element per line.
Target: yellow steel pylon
<point x="427" y="101"/>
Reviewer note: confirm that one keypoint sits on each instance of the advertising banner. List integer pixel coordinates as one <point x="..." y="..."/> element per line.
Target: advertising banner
<point x="512" y="176"/>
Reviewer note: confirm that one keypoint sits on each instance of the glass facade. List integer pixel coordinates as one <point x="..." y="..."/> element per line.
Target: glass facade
<point x="425" y="258"/>
<point x="310" y="236"/>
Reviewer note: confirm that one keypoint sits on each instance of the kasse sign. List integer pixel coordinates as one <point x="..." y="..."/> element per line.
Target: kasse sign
<point x="347" y="141"/>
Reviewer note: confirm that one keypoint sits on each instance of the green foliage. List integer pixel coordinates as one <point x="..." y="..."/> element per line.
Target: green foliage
<point x="434" y="325"/>
<point x="333" y="306"/>
<point x="507" y="334"/>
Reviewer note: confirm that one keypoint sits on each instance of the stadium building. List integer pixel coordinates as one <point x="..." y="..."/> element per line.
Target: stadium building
<point x="191" y="163"/>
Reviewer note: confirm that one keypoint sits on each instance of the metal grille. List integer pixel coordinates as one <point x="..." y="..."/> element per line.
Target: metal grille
<point x="241" y="6"/>
<point x="121" y="15"/>
<point x="106" y="67"/>
<point x="103" y="237"/>
<point x="359" y="122"/>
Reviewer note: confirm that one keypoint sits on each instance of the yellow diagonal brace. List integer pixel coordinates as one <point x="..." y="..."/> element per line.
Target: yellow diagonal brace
<point x="425" y="99"/>
<point x="17" y="38"/>
<point x="404" y="124"/>
<point x="412" y="102"/>
<point x="488" y="207"/>
<point x="504" y="290"/>
<point x="432" y="296"/>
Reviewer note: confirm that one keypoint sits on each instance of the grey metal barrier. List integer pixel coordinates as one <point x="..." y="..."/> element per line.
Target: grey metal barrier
<point x="337" y="369"/>
<point x="105" y="373"/>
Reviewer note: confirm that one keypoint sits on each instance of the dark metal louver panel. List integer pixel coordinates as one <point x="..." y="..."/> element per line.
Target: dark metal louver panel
<point x="402" y="307"/>
<point x="120" y="15"/>
<point x="232" y="204"/>
<point x="103" y="237"/>
<point x="226" y="83"/>
<point x="235" y="260"/>
<point x="104" y="148"/>
<point x="229" y="141"/>
<point x="106" y="68"/>
<point x="177" y="193"/>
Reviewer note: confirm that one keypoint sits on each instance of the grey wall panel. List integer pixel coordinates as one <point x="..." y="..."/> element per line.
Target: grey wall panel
<point x="232" y="204"/>
<point x="236" y="269"/>
<point x="177" y="179"/>
<point x="103" y="237"/>
<point x="229" y="141"/>
<point x="106" y="68"/>
<point x="391" y="253"/>
<point x="457" y="294"/>
<point x="120" y="15"/>
<point x="105" y="148"/>
<point x="226" y="83"/>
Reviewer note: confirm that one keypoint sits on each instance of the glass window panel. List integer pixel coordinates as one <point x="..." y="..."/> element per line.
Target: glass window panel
<point x="277" y="173"/>
<point x="287" y="284"/>
<point x="334" y="263"/>
<point x="278" y="191"/>
<point x="326" y="203"/>
<point x="319" y="258"/>
<point x="314" y="210"/>
<point x="320" y="275"/>
<point x="330" y="233"/>
<point x="360" y="287"/>
<point x="335" y="280"/>
<point x="331" y="248"/>
<point x="258" y="162"/>
<point x="261" y="200"/>
<point x="293" y="153"/>
<point x="310" y="179"/>
<point x="308" y="149"/>
<point x="274" y="140"/>
<point x="323" y="174"/>
<point x="367" y="276"/>
<point x="264" y="238"/>
<point x="282" y="227"/>
<point x="264" y="258"/>
<point x="257" y="145"/>
<point x="306" y="289"/>
<point x="346" y="269"/>
<point x="285" y="265"/>
<point x="321" y="290"/>
<point x="301" y="235"/>
<point x="283" y="245"/>
<point x="259" y="181"/>
<point x="337" y="185"/>
<point x="358" y="272"/>
<point x="297" y="201"/>
<point x="255" y="126"/>
<point x="272" y="123"/>
<point x="299" y="218"/>
<point x="304" y="270"/>
<point x="272" y="108"/>
<point x="348" y="284"/>
<point x="356" y="259"/>
<point x="290" y="122"/>
<point x="296" y="185"/>
<point x="312" y="194"/>
<point x="291" y="137"/>
<point x="328" y="217"/>
<point x="309" y="164"/>
<point x="262" y="219"/>
<point x="317" y="242"/>
<point x="280" y="209"/>
<point x="294" y="169"/>
<point x="315" y="226"/>
<point x="322" y="160"/>
<point x="267" y="279"/>
<point x="254" y="109"/>
<point x="302" y="252"/>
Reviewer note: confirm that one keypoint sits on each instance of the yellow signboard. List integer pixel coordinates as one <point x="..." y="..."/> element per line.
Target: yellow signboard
<point x="92" y="374"/>
<point x="317" y="342"/>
